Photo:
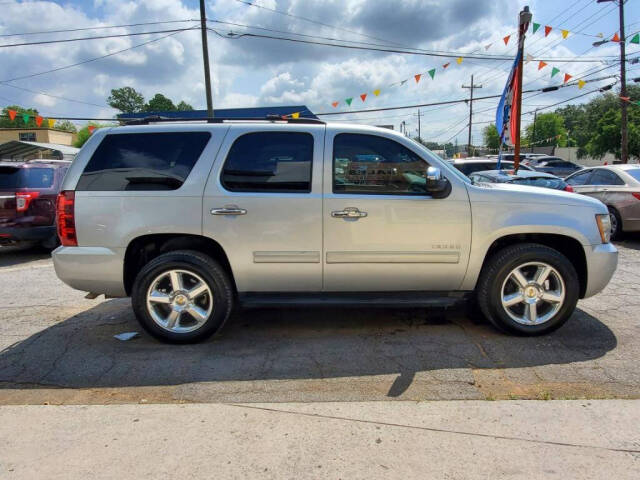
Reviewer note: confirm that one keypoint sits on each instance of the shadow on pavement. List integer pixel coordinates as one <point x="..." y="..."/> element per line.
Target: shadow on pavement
<point x="11" y="256"/>
<point x="286" y="344"/>
<point x="629" y="240"/>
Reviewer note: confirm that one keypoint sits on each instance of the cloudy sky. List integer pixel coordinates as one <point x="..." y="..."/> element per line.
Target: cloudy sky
<point x="249" y="71"/>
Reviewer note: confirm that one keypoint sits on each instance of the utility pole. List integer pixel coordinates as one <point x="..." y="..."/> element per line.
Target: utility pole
<point x="419" y="136"/>
<point x="205" y="56"/>
<point x="624" y="148"/>
<point x="523" y="19"/>
<point x="471" y="86"/>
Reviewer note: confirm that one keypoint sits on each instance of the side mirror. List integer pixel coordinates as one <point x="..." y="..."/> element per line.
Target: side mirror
<point x="437" y="185"/>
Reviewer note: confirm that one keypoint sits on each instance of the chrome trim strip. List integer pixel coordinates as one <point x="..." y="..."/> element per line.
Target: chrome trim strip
<point x="445" y="256"/>
<point x="286" y="257"/>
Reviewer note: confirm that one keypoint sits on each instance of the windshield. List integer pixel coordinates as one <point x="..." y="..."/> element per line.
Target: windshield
<point x="635" y="173"/>
<point x="12" y="178"/>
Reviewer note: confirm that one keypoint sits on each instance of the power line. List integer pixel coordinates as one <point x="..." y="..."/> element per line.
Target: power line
<point x="99" y="27"/>
<point x="53" y="96"/>
<point x="232" y="35"/>
<point x="79" y="39"/>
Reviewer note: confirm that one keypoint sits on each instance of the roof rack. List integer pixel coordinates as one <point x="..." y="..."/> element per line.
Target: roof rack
<point x="268" y="118"/>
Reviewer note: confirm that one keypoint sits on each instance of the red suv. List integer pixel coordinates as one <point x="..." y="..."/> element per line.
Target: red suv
<point x="28" y="194"/>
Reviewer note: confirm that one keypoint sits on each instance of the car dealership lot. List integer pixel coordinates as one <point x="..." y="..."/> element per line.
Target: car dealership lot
<point x="57" y="347"/>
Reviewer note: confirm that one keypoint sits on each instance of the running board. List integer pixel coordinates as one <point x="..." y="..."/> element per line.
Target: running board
<point x="354" y="299"/>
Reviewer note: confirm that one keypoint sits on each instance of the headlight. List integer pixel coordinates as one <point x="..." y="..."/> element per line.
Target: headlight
<point x="604" y="225"/>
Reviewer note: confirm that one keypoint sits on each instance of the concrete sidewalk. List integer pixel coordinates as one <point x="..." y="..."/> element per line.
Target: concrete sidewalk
<point x="449" y="439"/>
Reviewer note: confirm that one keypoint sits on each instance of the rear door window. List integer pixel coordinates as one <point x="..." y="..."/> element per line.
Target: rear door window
<point x="605" y="177"/>
<point x="579" y="178"/>
<point x="269" y="162"/>
<point x="13" y="178"/>
<point x="143" y="161"/>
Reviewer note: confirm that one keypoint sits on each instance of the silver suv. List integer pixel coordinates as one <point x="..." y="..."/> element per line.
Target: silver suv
<point x="194" y="219"/>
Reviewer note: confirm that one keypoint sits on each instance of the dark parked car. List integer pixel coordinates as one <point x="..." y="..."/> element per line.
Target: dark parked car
<point x="470" y="165"/>
<point x="553" y="165"/>
<point x="524" y="177"/>
<point x="28" y="194"/>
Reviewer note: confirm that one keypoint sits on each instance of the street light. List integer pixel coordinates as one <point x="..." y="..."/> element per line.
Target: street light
<point x="600" y="42"/>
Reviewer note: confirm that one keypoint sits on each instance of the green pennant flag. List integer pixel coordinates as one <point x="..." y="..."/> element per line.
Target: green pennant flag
<point x="536" y="26"/>
<point x="636" y="38"/>
<point x="25" y="117"/>
<point x="432" y="73"/>
<point x="349" y="100"/>
<point x="554" y="71"/>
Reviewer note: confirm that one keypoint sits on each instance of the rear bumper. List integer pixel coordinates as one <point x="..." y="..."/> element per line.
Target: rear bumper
<point x="26" y="234"/>
<point x="602" y="261"/>
<point x="91" y="269"/>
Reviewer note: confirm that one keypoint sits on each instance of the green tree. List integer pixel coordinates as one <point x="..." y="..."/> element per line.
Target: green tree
<point x="184" y="106"/>
<point x="126" y="99"/>
<point x="549" y="130"/>
<point x="18" y="122"/>
<point x="65" y="125"/>
<point x="491" y="137"/>
<point x="84" y="134"/>
<point x="160" y="103"/>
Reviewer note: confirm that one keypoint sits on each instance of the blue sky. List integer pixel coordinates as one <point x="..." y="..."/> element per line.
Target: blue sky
<point x="250" y="71"/>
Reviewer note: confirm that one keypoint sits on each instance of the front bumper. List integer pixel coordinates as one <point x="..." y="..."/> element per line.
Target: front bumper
<point x="602" y="261"/>
<point x="26" y="234"/>
<point x="91" y="269"/>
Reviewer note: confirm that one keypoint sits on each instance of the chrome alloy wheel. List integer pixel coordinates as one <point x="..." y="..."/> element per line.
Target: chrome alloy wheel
<point x="533" y="293"/>
<point x="179" y="301"/>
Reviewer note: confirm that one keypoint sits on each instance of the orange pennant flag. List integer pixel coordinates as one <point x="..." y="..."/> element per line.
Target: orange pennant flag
<point x="335" y="104"/>
<point x="615" y="38"/>
<point x="363" y="97"/>
<point x="547" y="30"/>
<point x="51" y="122"/>
<point x="541" y="65"/>
<point x="39" y="120"/>
<point x="567" y="77"/>
<point x="417" y="77"/>
<point x="445" y="65"/>
<point x="91" y="128"/>
<point x="376" y="92"/>
<point x="12" y="115"/>
<point x="506" y="39"/>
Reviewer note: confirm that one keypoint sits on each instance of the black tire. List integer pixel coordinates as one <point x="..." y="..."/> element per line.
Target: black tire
<point x="498" y="268"/>
<point x="616" y="224"/>
<point x="208" y="270"/>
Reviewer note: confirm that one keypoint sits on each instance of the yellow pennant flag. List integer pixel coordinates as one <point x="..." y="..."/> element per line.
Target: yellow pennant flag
<point x="581" y="83"/>
<point x="459" y="60"/>
<point x="295" y="115"/>
<point x="51" y="122"/>
<point x="565" y="33"/>
<point x="376" y="92"/>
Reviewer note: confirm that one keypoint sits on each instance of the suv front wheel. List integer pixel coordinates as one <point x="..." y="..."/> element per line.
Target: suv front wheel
<point x="182" y="296"/>
<point x="528" y="289"/>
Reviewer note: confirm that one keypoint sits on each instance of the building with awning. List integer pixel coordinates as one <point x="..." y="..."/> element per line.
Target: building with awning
<point x="21" y="151"/>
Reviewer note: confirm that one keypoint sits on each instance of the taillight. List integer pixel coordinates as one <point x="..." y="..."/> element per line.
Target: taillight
<point x="636" y="194"/>
<point x="23" y="200"/>
<point x="568" y="188"/>
<point x="66" y="218"/>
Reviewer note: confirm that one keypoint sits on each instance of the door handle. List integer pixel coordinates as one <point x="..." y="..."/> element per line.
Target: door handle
<point x="349" y="212"/>
<point x="228" y="210"/>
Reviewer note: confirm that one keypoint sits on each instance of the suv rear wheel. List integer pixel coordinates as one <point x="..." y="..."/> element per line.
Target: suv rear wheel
<point x="529" y="289"/>
<point x="182" y="297"/>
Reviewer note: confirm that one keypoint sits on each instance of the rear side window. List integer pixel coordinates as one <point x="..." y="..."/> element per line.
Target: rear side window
<point x="605" y="177"/>
<point x="269" y="162"/>
<point x="579" y="178"/>
<point x="635" y="173"/>
<point x="143" y="161"/>
<point x="555" y="183"/>
<point x="12" y="178"/>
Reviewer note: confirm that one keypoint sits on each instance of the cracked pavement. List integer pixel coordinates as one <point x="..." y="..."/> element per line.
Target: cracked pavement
<point x="58" y="348"/>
